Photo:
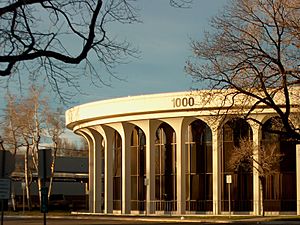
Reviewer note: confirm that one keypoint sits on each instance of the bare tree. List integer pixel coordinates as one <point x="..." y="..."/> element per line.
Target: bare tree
<point x="66" y="145"/>
<point x="181" y="3"/>
<point x="263" y="159"/>
<point x="11" y="126"/>
<point x="253" y="50"/>
<point x="16" y="136"/>
<point x="63" y="41"/>
<point x="34" y="110"/>
<point x="24" y="120"/>
<point x="55" y="128"/>
<point x="27" y="121"/>
<point x="60" y="39"/>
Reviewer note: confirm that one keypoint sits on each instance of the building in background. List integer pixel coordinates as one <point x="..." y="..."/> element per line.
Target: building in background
<point x="168" y="153"/>
<point x="70" y="184"/>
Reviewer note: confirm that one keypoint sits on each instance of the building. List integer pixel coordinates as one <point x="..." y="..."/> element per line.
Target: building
<point x="167" y="153"/>
<point x="68" y="188"/>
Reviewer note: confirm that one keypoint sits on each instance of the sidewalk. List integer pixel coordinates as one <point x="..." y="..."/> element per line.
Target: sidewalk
<point x="222" y="219"/>
<point x="213" y="219"/>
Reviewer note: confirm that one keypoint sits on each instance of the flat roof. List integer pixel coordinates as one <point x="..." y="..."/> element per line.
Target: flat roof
<point x="155" y="106"/>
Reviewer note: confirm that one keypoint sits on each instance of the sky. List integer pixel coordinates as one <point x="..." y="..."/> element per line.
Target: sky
<point x="163" y="39"/>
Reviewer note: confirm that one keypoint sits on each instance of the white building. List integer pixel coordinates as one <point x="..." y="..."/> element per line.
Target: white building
<point x="159" y="153"/>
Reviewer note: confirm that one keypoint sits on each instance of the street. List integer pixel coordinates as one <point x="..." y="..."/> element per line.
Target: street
<point x="32" y="221"/>
<point x="72" y="221"/>
<point x="97" y="220"/>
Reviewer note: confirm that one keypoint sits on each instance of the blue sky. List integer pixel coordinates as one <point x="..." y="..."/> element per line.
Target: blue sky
<point x="163" y="39"/>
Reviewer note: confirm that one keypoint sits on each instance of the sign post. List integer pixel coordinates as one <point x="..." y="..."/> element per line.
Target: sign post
<point x="44" y="166"/>
<point x="4" y="194"/>
<point x="44" y="172"/>
<point x="229" y="181"/>
<point x="7" y="165"/>
<point x="44" y="199"/>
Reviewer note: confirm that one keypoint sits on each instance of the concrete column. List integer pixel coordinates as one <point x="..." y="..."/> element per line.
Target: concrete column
<point x="150" y="130"/>
<point x="257" y="204"/>
<point x="95" y="187"/>
<point x="126" y="173"/>
<point x="181" y="168"/>
<point x="125" y="130"/>
<point x="149" y="127"/>
<point x="88" y="138"/>
<point x="108" y="171"/>
<point x="97" y="171"/>
<point x="216" y="148"/>
<point x="298" y="177"/>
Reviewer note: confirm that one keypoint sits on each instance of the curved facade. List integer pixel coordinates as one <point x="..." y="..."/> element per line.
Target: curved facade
<point x="168" y="153"/>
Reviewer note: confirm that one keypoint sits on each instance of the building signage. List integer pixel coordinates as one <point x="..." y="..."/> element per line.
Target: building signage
<point x="44" y="166"/>
<point x="7" y="164"/>
<point x="228" y="179"/>
<point x="4" y="189"/>
<point x="183" y="102"/>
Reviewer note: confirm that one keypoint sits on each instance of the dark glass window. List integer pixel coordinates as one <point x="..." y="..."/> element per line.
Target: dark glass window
<point x="241" y="188"/>
<point x="138" y="169"/>
<point x="199" y="167"/>
<point x="117" y="171"/>
<point x="278" y="195"/>
<point x="165" y="168"/>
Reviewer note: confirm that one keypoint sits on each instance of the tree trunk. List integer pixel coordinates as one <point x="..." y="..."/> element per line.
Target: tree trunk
<point x="52" y="171"/>
<point x="34" y="154"/>
<point x="26" y="176"/>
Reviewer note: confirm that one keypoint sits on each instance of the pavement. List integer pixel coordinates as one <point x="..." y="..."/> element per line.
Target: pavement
<point x="213" y="219"/>
<point x="204" y="219"/>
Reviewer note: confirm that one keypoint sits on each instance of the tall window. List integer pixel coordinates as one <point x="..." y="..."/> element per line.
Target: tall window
<point x="165" y="168"/>
<point x="138" y="169"/>
<point x="241" y="188"/>
<point x="117" y="171"/>
<point x="199" y="167"/>
<point x="278" y="195"/>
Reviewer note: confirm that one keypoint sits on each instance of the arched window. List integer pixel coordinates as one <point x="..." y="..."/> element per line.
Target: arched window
<point x="199" y="167"/>
<point x="241" y="188"/>
<point x="165" y="168"/>
<point x="278" y="195"/>
<point x="138" y="169"/>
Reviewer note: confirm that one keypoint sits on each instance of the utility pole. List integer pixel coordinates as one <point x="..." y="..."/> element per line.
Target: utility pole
<point x="44" y="172"/>
<point x="6" y="167"/>
<point x="229" y="181"/>
<point x="1" y="176"/>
